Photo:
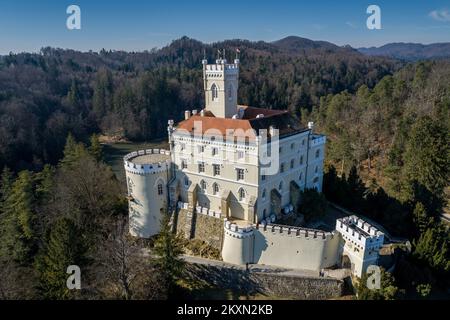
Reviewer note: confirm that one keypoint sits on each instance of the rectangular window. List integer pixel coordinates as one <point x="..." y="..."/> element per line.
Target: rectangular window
<point x="201" y="149"/>
<point x="216" y="169"/>
<point x="201" y="167"/>
<point x="240" y="174"/>
<point x="282" y="168"/>
<point x="263" y="177"/>
<point x="240" y="154"/>
<point x="214" y="151"/>
<point x="182" y="146"/>
<point x="160" y="189"/>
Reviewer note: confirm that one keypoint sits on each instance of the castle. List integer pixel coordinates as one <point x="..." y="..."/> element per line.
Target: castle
<point x="231" y="173"/>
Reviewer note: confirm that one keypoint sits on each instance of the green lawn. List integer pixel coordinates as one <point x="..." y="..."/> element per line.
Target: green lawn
<point x="114" y="153"/>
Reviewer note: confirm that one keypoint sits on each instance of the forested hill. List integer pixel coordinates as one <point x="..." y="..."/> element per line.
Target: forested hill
<point x="45" y="96"/>
<point x="410" y="51"/>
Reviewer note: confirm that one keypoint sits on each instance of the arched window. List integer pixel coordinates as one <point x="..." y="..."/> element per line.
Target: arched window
<point x="214" y="92"/>
<point x="160" y="189"/>
<point x="264" y="194"/>
<point x="203" y="185"/>
<point x="241" y="194"/>
<point x="280" y="186"/>
<point x="215" y="188"/>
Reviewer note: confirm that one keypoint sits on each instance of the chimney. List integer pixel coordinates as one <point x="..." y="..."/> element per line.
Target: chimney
<point x="311" y="125"/>
<point x="202" y="112"/>
<point x="187" y="114"/>
<point x="194" y="112"/>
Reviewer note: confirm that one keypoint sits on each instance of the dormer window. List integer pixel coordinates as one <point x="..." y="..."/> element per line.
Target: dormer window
<point x="214" y="92"/>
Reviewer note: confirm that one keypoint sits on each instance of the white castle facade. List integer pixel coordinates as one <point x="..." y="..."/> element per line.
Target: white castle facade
<point x="243" y="167"/>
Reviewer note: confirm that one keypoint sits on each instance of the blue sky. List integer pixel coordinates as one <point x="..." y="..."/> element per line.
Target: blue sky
<point x="27" y="25"/>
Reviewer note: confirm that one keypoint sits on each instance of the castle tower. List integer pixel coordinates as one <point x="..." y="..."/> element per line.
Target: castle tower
<point x="221" y="87"/>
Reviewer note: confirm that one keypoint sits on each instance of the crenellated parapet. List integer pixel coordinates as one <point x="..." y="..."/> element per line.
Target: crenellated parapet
<point x="235" y="231"/>
<point x="149" y="161"/>
<point x="360" y="232"/>
<point x="298" y="232"/>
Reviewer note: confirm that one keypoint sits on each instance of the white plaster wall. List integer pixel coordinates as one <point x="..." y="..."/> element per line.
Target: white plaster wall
<point x="144" y="209"/>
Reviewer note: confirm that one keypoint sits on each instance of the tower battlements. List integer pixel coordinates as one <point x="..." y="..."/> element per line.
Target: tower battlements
<point x="147" y="161"/>
<point x="359" y="231"/>
<point x="235" y="231"/>
<point x="296" y="231"/>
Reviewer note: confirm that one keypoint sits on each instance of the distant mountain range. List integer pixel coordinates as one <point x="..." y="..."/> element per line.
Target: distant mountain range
<point x="400" y="50"/>
<point x="410" y="51"/>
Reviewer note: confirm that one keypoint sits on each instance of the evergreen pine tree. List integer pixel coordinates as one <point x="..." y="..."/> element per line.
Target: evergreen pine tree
<point x="95" y="148"/>
<point x="18" y="226"/>
<point x="73" y="151"/>
<point x="169" y="247"/>
<point x="63" y="247"/>
<point x="420" y="217"/>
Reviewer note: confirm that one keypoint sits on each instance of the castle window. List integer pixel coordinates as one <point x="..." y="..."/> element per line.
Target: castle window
<point x="280" y="186"/>
<point x="263" y="177"/>
<point x="292" y="146"/>
<point x="230" y="92"/>
<point x="183" y="164"/>
<point x="282" y="168"/>
<point x="215" y="188"/>
<point x="240" y="174"/>
<point x="201" y="149"/>
<point x="186" y="182"/>
<point x="182" y="146"/>
<point x="160" y="189"/>
<point x="216" y="169"/>
<point x="241" y="194"/>
<point x="214" y="151"/>
<point x="292" y="164"/>
<point x="240" y="154"/>
<point x="303" y="142"/>
<point x="264" y="213"/>
<point x="317" y="153"/>
<point x="201" y="167"/>
<point x="264" y="194"/>
<point x="316" y="179"/>
<point x="301" y="160"/>
<point x="316" y="170"/>
<point x="203" y="185"/>
<point x="214" y="92"/>
<point x="300" y="176"/>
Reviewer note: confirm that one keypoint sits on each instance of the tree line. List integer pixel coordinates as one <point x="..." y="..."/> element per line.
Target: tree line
<point x="75" y="214"/>
<point x="131" y="95"/>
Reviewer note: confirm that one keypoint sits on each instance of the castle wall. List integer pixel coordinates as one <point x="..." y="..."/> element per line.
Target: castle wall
<point x="237" y="279"/>
<point x="145" y="204"/>
<point x="207" y="226"/>
<point x="274" y="245"/>
<point x="295" y="248"/>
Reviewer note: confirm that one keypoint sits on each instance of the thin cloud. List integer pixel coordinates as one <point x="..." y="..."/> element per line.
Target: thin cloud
<point x="442" y="15"/>
<point x="351" y="24"/>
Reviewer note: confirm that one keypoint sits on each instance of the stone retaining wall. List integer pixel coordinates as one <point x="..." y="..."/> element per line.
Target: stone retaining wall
<point x="270" y="284"/>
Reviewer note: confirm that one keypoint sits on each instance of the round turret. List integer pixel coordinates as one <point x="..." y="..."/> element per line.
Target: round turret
<point x="147" y="174"/>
